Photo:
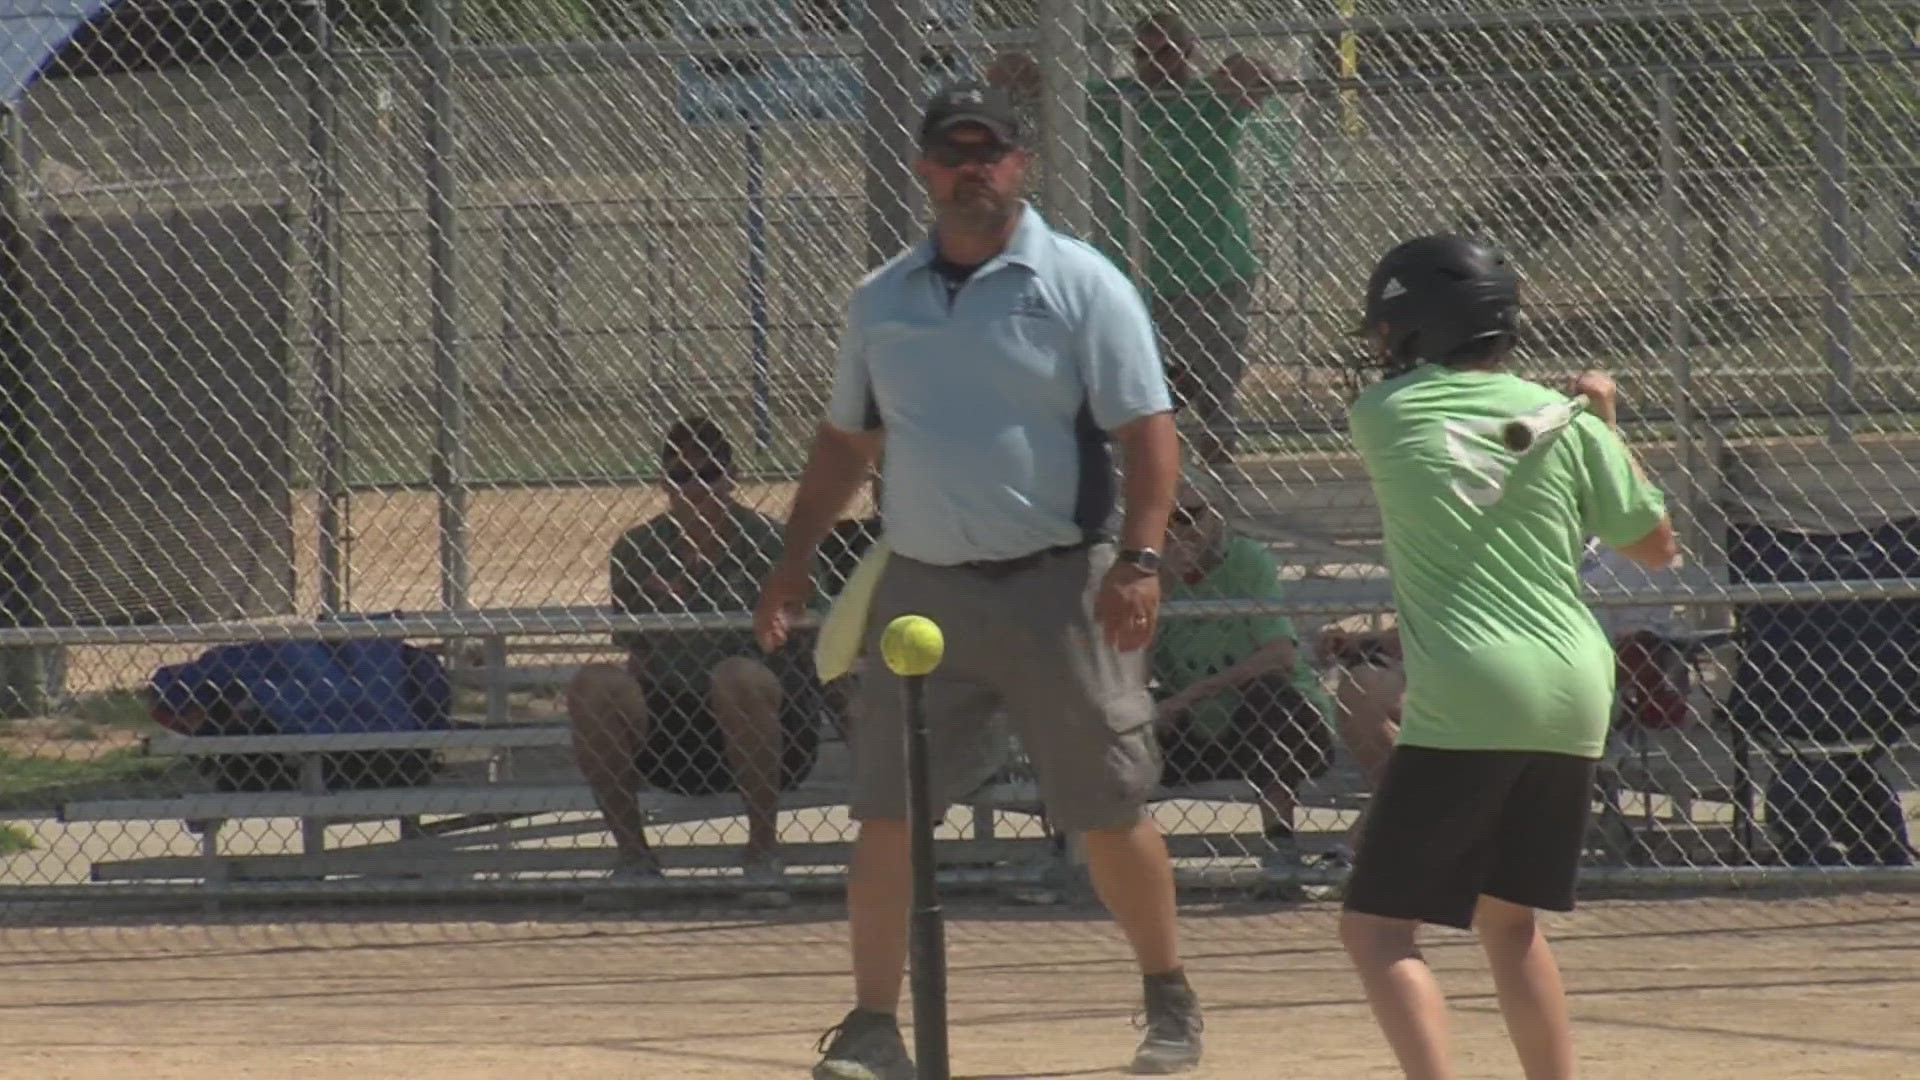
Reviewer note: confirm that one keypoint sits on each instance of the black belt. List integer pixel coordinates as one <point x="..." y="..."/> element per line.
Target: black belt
<point x="1029" y="561"/>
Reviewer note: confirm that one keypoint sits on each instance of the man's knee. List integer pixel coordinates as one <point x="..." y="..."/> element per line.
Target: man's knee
<point x="742" y="678"/>
<point x="1368" y="701"/>
<point x="602" y="696"/>
<point x="1380" y="683"/>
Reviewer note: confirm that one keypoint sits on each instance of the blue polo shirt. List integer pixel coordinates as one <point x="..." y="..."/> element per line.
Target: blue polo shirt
<point x="997" y="403"/>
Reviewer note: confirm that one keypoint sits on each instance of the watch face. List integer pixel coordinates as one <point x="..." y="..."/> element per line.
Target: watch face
<point x="1146" y="559"/>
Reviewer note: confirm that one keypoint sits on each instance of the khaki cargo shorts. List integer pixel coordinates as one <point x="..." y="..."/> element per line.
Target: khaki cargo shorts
<point x="1020" y="642"/>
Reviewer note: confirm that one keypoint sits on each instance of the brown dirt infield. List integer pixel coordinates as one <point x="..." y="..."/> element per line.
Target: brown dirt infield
<point x="1705" y="989"/>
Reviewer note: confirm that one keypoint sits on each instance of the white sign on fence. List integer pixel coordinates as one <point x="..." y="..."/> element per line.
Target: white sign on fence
<point x="755" y="87"/>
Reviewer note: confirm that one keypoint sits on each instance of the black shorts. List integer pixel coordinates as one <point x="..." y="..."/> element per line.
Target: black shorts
<point x="1277" y="736"/>
<point x="1449" y="826"/>
<point x="686" y="751"/>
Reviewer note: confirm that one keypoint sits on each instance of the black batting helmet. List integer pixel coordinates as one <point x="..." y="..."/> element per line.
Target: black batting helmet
<point x="1437" y="295"/>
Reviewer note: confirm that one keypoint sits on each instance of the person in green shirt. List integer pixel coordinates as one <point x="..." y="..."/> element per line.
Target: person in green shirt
<point x="1481" y="813"/>
<point x="1197" y="235"/>
<point x="695" y="712"/>
<point x="1237" y="698"/>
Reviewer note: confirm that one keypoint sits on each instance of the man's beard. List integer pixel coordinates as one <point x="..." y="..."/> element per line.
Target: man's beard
<point x="978" y="210"/>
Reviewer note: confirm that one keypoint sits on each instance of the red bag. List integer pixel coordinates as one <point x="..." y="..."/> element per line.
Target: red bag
<point x="1652" y="681"/>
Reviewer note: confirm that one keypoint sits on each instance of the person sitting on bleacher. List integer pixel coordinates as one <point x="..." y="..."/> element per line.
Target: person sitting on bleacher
<point x="695" y="712"/>
<point x="1237" y="700"/>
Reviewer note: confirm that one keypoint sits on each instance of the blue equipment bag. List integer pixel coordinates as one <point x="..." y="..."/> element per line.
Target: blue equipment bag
<point x="309" y="688"/>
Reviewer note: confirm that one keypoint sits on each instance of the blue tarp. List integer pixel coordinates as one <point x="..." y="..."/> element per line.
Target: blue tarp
<point x="31" y="32"/>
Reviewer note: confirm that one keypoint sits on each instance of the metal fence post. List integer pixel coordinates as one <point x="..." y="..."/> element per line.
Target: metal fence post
<point x="1133" y="185"/>
<point x="450" y="398"/>
<point x="1065" y="166"/>
<point x="324" y="198"/>
<point x="22" y="684"/>
<point x="756" y="275"/>
<point x="1836" y="221"/>
<point x="1673" y="224"/>
<point x="891" y="46"/>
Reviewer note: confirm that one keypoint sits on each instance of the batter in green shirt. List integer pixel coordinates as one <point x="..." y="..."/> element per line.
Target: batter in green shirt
<point x="1501" y="652"/>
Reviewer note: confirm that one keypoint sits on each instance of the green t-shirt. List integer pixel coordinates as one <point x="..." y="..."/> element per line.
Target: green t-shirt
<point x="1198" y="235"/>
<point x="1485" y="549"/>
<point x="1188" y="650"/>
<point x="732" y="583"/>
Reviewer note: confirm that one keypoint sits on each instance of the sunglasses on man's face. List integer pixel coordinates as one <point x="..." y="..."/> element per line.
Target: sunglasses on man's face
<point x="681" y="476"/>
<point x="954" y="155"/>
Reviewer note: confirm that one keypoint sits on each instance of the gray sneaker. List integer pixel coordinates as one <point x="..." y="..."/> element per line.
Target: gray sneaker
<point x="642" y="869"/>
<point x="864" y="1046"/>
<point x="763" y="880"/>
<point x="1280" y="855"/>
<point x="1173" y="1026"/>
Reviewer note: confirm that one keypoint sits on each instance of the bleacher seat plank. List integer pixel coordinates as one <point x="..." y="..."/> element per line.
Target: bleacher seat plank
<point x="497" y="738"/>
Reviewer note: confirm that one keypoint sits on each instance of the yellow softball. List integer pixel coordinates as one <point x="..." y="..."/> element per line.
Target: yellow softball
<point x="912" y="645"/>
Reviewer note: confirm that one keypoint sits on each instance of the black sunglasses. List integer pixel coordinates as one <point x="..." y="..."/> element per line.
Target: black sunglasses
<point x="707" y="474"/>
<point x="1184" y="517"/>
<point x="1141" y="52"/>
<point x="954" y="155"/>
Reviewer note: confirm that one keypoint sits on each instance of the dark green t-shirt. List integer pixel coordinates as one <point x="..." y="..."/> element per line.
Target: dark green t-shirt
<point x="732" y="583"/>
<point x="1188" y="650"/>
<point x="1198" y="234"/>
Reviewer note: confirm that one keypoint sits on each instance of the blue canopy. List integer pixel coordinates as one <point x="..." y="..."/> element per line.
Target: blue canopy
<point x="31" y="32"/>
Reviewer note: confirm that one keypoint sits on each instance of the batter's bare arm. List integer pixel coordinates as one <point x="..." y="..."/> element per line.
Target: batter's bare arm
<point x="1660" y="548"/>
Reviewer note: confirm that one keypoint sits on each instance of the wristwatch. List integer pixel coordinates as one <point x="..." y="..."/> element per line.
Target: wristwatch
<point x="1144" y="559"/>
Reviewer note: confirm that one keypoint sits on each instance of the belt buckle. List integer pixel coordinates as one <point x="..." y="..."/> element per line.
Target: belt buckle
<point x="1000" y="567"/>
<point x="1003" y="567"/>
<point x="1022" y="562"/>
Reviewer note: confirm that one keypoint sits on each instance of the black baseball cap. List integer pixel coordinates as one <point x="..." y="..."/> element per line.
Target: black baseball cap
<point x="970" y="103"/>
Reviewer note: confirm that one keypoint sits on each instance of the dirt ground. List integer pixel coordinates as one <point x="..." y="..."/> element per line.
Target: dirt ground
<point x="1705" y="989"/>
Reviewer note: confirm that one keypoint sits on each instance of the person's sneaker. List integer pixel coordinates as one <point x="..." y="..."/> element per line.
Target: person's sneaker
<point x="864" y="1046"/>
<point x="763" y="879"/>
<point x="1281" y="853"/>
<point x="1337" y="857"/>
<point x="630" y="875"/>
<point x="637" y="870"/>
<point x="1173" y="1023"/>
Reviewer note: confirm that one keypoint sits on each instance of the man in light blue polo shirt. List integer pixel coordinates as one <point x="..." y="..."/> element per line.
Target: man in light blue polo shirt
<point x="999" y="361"/>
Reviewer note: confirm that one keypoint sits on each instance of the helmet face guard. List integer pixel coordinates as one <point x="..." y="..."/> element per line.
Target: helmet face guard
<point x="1437" y="295"/>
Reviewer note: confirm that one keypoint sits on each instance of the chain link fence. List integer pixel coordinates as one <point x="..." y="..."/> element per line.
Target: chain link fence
<point x="356" y="355"/>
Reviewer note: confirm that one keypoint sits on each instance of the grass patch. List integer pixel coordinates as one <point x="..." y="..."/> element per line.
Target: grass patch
<point x="20" y="776"/>
<point x="14" y="840"/>
<point x="109" y="709"/>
